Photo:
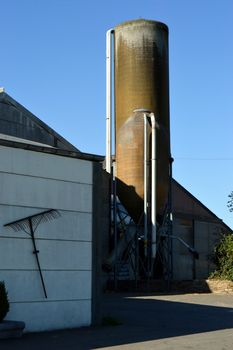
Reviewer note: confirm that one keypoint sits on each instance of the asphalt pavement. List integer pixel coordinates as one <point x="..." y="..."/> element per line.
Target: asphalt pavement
<point x="161" y="322"/>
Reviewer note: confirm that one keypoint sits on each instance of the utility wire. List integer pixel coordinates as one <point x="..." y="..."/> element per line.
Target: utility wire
<point x="209" y="159"/>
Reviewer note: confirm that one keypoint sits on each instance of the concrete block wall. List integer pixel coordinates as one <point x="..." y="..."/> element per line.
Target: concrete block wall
<point x="203" y="236"/>
<point x="182" y="259"/>
<point x="31" y="182"/>
<point x="207" y="235"/>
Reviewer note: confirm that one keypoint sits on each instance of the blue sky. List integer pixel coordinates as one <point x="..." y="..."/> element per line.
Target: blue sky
<point x="53" y="62"/>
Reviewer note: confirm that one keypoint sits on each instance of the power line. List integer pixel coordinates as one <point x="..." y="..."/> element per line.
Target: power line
<point x="203" y="159"/>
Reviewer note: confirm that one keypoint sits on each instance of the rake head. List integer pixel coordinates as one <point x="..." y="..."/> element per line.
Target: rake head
<point x="24" y="224"/>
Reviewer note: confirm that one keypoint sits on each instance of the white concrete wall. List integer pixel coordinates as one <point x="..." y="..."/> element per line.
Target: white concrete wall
<point x="31" y="182"/>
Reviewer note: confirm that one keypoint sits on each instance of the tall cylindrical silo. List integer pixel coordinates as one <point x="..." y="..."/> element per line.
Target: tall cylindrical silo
<point x="141" y="81"/>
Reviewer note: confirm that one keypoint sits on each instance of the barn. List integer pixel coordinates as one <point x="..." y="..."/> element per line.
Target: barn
<point x="47" y="182"/>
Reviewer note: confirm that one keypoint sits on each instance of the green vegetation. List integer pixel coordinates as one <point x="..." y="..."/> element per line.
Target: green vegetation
<point x="230" y="202"/>
<point x="4" y="303"/>
<point x="224" y="258"/>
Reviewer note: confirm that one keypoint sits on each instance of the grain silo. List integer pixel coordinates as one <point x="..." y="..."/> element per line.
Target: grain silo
<point x="140" y="81"/>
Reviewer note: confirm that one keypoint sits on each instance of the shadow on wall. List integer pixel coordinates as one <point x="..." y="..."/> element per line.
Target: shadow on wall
<point x="132" y="202"/>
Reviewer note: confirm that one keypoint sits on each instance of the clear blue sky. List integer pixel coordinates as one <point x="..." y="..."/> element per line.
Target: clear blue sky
<point x="53" y="62"/>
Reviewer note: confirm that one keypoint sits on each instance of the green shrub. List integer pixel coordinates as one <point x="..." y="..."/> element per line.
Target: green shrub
<point x="223" y="258"/>
<point x="230" y="201"/>
<point x="4" y="303"/>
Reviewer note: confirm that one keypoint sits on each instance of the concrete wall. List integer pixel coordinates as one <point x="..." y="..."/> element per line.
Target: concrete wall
<point x="184" y="203"/>
<point x="100" y="240"/>
<point x="31" y="182"/>
<point x="207" y="235"/>
<point x="203" y="236"/>
<point x="198" y="227"/>
<point x="182" y="259"/>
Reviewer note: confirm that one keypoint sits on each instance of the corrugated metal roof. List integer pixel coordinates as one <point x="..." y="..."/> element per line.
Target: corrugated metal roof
<point x="17" y="121"/>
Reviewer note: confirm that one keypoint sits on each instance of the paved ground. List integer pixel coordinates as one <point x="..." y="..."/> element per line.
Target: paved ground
<point x="166" y="322"/>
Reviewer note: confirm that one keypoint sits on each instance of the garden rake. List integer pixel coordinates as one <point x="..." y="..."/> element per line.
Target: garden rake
<point x="29" y="225"/>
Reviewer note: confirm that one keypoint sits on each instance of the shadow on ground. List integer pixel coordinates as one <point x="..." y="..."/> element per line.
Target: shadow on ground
<point x="142" y="320"/>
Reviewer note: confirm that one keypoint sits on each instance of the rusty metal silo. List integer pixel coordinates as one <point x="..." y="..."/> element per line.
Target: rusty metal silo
<point x="141" y="81"/>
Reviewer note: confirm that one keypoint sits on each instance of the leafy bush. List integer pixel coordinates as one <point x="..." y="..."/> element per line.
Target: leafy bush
<point x="230" y="201"/>
<point x="4" y="303"/>
<point x="224" y="258"/>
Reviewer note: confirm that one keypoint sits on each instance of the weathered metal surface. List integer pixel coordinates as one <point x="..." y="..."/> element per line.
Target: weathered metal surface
<point x="141" y="81"/>
<point x="130" y="171"/>
<point x="17" y="121"/>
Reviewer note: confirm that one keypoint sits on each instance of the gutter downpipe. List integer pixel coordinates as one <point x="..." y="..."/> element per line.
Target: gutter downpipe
<point x="110" y="166"/>
<point x="146" y="114"/>
<point x="153" y="188"/>
<point x="109" y="100"/>
<point x="145" y="184"/>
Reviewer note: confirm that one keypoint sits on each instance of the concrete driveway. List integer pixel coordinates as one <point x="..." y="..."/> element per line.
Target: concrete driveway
<point x="190" y="321"/>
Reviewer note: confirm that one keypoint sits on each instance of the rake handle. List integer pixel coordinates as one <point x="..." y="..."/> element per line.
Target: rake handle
<point x="37" y="258"/>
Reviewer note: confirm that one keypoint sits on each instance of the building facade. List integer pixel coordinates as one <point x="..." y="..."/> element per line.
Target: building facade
<point x="36" y="177"/>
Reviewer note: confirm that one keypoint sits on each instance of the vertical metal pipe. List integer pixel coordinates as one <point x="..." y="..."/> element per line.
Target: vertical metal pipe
<point x="170" y="230"/>
<point x="109" y="99"/>
<point x="145" y="184"/>
<point x="153" y="186"/>
<point x="115" y="226"/>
